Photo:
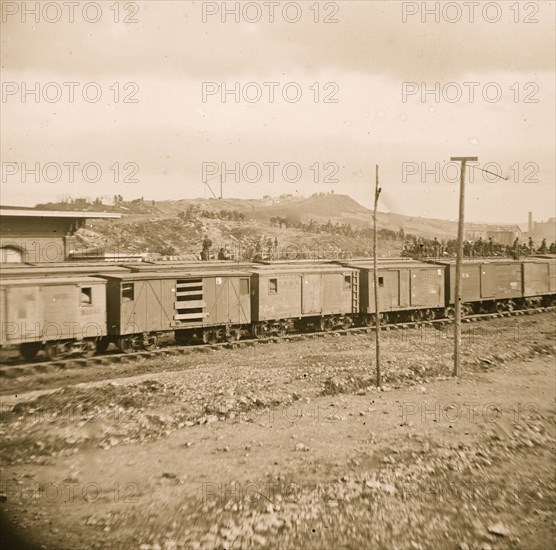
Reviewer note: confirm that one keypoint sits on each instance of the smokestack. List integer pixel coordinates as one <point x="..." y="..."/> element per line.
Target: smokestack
<point x="530" y="228"/>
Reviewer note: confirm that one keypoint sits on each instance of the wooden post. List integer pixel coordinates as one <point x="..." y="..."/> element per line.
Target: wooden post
<point x="375" y="275"/>
<point x="459" y="258"/>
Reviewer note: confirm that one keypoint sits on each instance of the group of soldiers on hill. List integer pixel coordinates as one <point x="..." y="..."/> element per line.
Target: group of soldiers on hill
<point x="255" y="252"/>
<point x="419" y="247"/>
<point x="479" y="248"/>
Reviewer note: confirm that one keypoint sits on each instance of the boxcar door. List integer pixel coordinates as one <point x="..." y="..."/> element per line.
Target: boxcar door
<point x="426" y="287"/>
<point x="501" y="280"/>
<point x="243" y="284"/>
<point x="311" y="302"/>
<point x="23" y="311"/>
<point x="536" y="278"/>
<point x="388" y="289"/>
<point x="157" y="313"/>
<point x="61" y="306"/>
<point x="131" y="297"/>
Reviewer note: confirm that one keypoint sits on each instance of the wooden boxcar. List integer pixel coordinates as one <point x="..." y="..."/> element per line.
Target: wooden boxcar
<point x="408" y="289"/>
<point x="486" y="284"/>
<point x="63" y="315"/>
<point x="212" y="305"/>
<point x="299" y="295"/>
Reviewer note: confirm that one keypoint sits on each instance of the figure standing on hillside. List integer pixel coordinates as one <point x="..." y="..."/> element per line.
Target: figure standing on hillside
<point x="479" y="247"/>
<point x="466" y="248"/>
<point x="207" y="243"/>
<point x="490" y="247"/>
<point x="516" y="249"/>
<point x="436" y="246"/>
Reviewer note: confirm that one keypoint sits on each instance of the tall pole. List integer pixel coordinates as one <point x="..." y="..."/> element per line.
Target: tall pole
<point x="375" y="276"/>
<point x="220" y="184"/>
<point x="459" y="258"/>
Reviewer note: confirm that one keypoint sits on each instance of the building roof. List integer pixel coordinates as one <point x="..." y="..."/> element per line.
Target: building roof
<point x="23" y="213"/>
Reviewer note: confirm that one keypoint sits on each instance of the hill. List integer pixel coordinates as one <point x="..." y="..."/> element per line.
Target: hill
<point x="330" y="222"/>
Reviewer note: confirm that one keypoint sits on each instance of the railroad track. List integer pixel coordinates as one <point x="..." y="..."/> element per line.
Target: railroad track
<point x="20" y="368"/>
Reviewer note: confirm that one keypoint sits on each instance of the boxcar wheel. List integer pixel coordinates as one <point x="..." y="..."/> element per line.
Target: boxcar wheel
<point x="126" y="344"/>
<point x="370" y="320"/>
<point x="416" y="316"/>
<point x="428" y="315"/>
<point x="150" y="342"/>
<point x="54" y="351"/>
<point x="260" y="330"/>
<point x="210" y="336"/>
<point x="29" y="350"/>
<point x="346" y="323"/>
<point x="89" y="349"/>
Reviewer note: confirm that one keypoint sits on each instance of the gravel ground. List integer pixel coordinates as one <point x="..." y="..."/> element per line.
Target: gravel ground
<point x="291" y="445"/>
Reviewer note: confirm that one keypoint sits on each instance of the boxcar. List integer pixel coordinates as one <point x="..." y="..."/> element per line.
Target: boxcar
<point x="212" y="305"/>
<point x="408" y="289"/>
<point x="61" y="315"/>
<point x="485" y="284"/>
<point x="286" y="296"/>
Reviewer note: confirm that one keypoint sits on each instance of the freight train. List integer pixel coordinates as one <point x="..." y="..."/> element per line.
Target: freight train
<point x="82" y="308"/>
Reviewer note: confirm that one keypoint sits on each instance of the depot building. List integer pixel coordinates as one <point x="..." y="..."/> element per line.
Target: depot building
<point x="41" y="236"/>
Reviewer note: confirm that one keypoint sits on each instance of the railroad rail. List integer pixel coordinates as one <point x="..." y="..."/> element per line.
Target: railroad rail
<point x="21" y="368"/>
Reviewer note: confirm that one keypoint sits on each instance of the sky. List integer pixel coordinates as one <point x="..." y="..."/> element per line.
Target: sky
<point x="355" y="84"/>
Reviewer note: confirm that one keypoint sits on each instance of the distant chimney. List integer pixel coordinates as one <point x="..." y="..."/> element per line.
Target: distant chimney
<point x="530" y="227"/>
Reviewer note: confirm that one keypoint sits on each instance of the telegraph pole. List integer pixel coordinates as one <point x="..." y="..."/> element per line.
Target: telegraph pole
<point x="459" y="258"/>
<point x="375" y="275"/>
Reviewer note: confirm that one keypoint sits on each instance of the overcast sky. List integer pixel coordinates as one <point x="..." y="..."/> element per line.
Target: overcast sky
<point x="364" y="61"/>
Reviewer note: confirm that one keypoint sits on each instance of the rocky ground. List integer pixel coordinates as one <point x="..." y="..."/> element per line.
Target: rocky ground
<point x="291" y="445"/>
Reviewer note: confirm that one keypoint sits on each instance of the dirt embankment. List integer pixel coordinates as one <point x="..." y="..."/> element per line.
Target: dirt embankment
<point x="291" y="445"/>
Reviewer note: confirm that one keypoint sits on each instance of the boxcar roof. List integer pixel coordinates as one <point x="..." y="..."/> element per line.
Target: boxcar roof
<point x="390" y="263"/>
<point x="184" y="266"/>
<point x="59" y="271"/>
<point x="51" y="281"/>
<point x="142" y="276"/>
<point x="476" y="261"/>
<point x="299" y="268"/>
<point x="538" y="259"/>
